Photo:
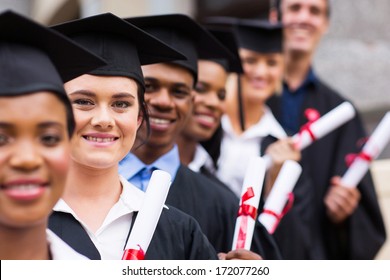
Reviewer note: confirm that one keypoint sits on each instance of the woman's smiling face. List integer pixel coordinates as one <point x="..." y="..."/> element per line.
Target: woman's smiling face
<point x="34" y="157"/>
<point x="209" y="102"/>
<point x="107" y="117"/>
<point x="262" y="76"/>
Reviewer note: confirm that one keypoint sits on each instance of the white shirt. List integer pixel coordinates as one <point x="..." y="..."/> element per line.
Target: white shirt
<point x="237" y="149"/>
<point x="60" y="250"/>
<point x="110" y="238"/>
<point x="201" y="158"/>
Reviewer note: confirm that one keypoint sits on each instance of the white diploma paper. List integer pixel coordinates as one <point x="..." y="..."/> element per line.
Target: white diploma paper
<point x="321" y="127"/>
<point x="278" y="196"/>
<point x="374" y="146"/>
<point x="254" y="178"/>
<point x="149" y="214"/>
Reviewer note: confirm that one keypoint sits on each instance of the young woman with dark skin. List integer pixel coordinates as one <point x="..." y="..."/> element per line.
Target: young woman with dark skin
<point x="36" y="124"/>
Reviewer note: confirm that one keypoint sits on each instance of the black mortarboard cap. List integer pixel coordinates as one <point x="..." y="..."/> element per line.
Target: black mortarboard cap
<point x="124" y="46"/>
<point x="227" y="38"/>
<point x="184" y="34"/>
<point x="34" y="58"/>
<point x="256" y="35"/>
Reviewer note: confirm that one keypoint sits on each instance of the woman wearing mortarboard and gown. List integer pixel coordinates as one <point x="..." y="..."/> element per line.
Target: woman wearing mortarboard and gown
<point x="248" y="128"/>
<point x="99" y="206"/>
<point x="209" y="96"/>
<point x="36" y="124"/>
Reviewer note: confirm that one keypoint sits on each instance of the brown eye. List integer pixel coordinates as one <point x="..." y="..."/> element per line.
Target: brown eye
<point x="249" y="60"/>
<point x="315" y="11"/>
<point x="180" y="92"/>
<point x="200" y="87"/>
<point x="82" y="102"/>
<point x="151" y="86"/>
<point x="272" y="62"/>
<point x="50" y="140"/>
<point x="121" y="104"/>
<point x="3" y="139"/>
<point x="294" y="8"/>
<point x="221" y="95"/>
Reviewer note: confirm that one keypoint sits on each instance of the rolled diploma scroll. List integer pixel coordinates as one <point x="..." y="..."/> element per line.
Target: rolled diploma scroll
<point x="278" y="196"/>
<point x="253" y="180"/>
<point x="148" y="216"/>
<point x="321" y="127"/>
<point x="373" y="147"/>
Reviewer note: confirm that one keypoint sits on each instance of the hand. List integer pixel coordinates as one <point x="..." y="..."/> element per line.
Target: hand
<point x="340" y="201"/>
<point x="239" y="254"/>
<point x="280" y="151"/>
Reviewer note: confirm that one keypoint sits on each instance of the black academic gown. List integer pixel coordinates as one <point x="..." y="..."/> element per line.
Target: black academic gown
<point x="215" y="207"/>
<point x="177" y="237"/>
<point x="294" y="231"/>
<point x="293" y="235"/>
<point x="363" y="234"/>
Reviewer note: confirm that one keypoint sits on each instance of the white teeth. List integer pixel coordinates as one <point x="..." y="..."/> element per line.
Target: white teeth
<point x="99" y="140"/>
<point x="24" y="186"/>
<point x="159" y="121"/>
<point x="301" y="32"/>
<point x="259" y="84"/>
<point x="206" y="118"/>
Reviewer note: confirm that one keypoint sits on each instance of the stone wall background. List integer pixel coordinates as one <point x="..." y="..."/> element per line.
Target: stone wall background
<point x="354" y="57"/>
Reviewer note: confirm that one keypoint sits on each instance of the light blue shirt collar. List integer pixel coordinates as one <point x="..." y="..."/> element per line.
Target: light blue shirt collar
<point x="131" y="165"/>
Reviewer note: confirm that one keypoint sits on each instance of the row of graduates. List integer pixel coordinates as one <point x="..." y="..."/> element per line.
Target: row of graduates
<point x="95" y="214"/>
<point x="70" y="111"/>
<point x="328" y="220"/>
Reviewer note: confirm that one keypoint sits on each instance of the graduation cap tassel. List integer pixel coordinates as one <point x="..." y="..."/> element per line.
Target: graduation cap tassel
<point x="240" y="104"/>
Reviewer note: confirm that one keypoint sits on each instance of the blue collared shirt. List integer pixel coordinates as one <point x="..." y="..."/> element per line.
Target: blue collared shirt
<point x="138" y="173"/>
<point x="292" y="103"/>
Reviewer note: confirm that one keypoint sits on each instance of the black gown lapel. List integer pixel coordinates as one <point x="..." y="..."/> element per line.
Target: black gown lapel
<point x="73" y="233"/>
<point x="265" y="142"/>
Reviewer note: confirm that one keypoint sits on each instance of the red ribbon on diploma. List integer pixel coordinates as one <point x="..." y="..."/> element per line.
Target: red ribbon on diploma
<point x="134" y="254"/>
<point x="350" y="158"/>
<point x="311" y="115"/>
<point x="245" y="211"/>
<point x="289" y="204"/>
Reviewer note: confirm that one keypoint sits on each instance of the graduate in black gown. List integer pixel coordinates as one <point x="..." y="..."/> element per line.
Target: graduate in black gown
<point x="169" y="98"/>
<point x="260" y="48"/>
<point x="99" y="207"/>
<point x="348" y="222"/>
<point x="208" y="108"/>
<point x="36" y="124"/>
<point x="209" y="105"/>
